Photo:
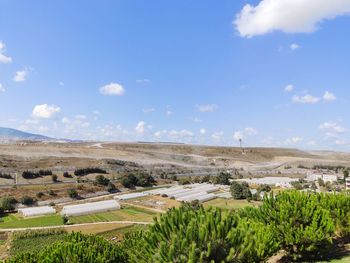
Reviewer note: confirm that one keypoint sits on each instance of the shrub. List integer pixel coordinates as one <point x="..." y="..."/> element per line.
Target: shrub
<point x="5" y="176"/>
<point x="39" y="194"/>
<point x="54" y="178"/>
<point x="27" y="200"/>
<point x="101" y="180"/>
<point x="7" y="203"/>
<point x="90" y="170"/>
<point x="240" y="190"/>
<point x="111" y="187"/>
<point x="67" y="175"/>
<point x="72" y="193"/>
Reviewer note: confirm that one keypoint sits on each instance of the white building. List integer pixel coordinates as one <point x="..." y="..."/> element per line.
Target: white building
<point x="325" y="177"/>
<point x="347" y="183"/>
<point x="37" y="211"/>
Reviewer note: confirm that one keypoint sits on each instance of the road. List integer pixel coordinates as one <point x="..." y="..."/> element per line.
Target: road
<point x="75" y="225"/>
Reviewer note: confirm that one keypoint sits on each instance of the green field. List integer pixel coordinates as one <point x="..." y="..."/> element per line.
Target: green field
<point x="228" y="203"/>
<point x="33" y="244"/>
<point x="125" y="214"/>
<point x="15" y="221"/>
<point x="121" y="231"/>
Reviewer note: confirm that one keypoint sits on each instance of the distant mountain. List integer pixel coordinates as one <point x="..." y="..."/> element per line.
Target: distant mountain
<point x="13" y="134"/>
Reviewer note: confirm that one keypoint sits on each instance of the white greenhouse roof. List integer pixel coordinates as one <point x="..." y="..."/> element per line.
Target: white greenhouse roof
<point x="90" y="208"/>
<point x="37" y="211"/>
<point x="130" y="196"/>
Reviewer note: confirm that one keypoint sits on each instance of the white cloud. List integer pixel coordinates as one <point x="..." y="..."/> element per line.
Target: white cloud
<point x="141" y="81"/>
<point x="65" y="120"/>
<point x="45" y="111"/>
<point x="329" y="97"/>
<point x="174" y="135"/>
<point x="112" y="89"/>
<point x="240" y="135"/>
<point x="61" y="83"/>
<point x="2" y="89"/>
<point x="207" y="108"/>
<point x="80" y="117"/>
<point x="195" y="119"/>
<point x="290" y="16"/>
<point x="168" y="113"/>
<point x="332" y="127"/>
<point x="306" y="99"/>
<point x="140" y="127"/>
<point x="293" y="140"/>
<point x="3" y="58"/>
<point x="21" y="75"/>
<point x="148" y="110"/>
<point x="237" y="135"/>
<point x="294" y="46"/>
<point x="202" y="131"/>
<point x="289" y="88"/>
<point x="217" y="136"/>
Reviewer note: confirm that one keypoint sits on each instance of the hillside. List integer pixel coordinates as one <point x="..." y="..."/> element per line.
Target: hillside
<point x="13" y="134"/>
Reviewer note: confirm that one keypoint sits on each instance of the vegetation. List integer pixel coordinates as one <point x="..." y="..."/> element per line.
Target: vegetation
<point x="5" y="176"/>
<point x="67" y="175"/>
<point x="27" y="200"/>
<point x="34" y="241"/>
<point x="302" y="224"/>
<point x="13" y="221"/>
<point x="141" y="179"/>
<point x="101" y="180"/>
<point x="240" y="190"/>
<point x="72" y="193"/>
<point x="33" y="175"/>
<point x="7" y="204"/>
<point x="223" y="178"/>
<point x="76" y="247"/>
<point x="90" y="170"/>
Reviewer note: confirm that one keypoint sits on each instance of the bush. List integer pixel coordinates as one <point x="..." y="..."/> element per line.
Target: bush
<point x="240" y="190"/>
<point x="72" y="193"/>
<point x="27" y="200"/>
<point x="67" y="175"/>
<point x="8" y="203"/>
<point x="141" y="179"/>
<point x="223" y="178"/>
<point x="30" y="175"/>
<point x="111" y="187"/>
<point x="39" y="194"/>
<point x="54" y="178"/>
<point x="76" y="247"/>
<point x="90" y="170"/>
<point x="51" y="192"/>
<point x="101" y="180"/>
<point x="5" y="176"/>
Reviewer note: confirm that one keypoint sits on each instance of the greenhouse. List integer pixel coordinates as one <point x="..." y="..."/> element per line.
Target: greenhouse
<point x="37" y="211"/>
<point x="90" y="208"/>
<point x="130" y="196"/>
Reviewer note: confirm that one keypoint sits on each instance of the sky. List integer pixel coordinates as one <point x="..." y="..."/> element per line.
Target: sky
<point x="274" y="73"/>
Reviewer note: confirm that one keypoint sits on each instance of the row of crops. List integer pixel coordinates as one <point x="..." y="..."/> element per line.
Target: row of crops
<point x="302" y="224"/>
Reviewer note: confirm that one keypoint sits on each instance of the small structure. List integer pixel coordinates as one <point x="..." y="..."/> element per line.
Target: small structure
<point x="37" y="211"/>
<point x="314" y="176"/>
<point x="90" y="208"/>
<point x="130" y="196"/>
<point x="347" y="183"/>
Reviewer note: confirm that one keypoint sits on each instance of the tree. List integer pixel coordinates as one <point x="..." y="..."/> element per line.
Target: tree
<point x="240" y="190"/>
<point x="346" y="174"/>
<point x="54" y="178"/>
<point x="223" y="178"/>
<point x="321" y="182"/>
<point x="72" y="193"/>
<point x="111" y="187"/>
<point x="129" y="181"/>
<point x="8" y="203"/>
<point x="101" y="180"/>
<point x="264" y="188"/>
<point x="27" y="200"/>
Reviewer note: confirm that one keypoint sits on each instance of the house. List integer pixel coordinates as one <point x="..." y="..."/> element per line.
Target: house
<point x="347" y="183"/>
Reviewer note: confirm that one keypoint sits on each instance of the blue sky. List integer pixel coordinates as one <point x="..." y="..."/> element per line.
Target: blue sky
<point x="272" y="72"/>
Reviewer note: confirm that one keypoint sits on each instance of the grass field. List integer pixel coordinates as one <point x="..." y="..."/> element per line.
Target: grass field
<point x="121" y="231"/>
<point x="228" y="203"/>
<point x="125" y="214"/>
<point x="15" y="221"/>
<point x="33" y="244"/>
